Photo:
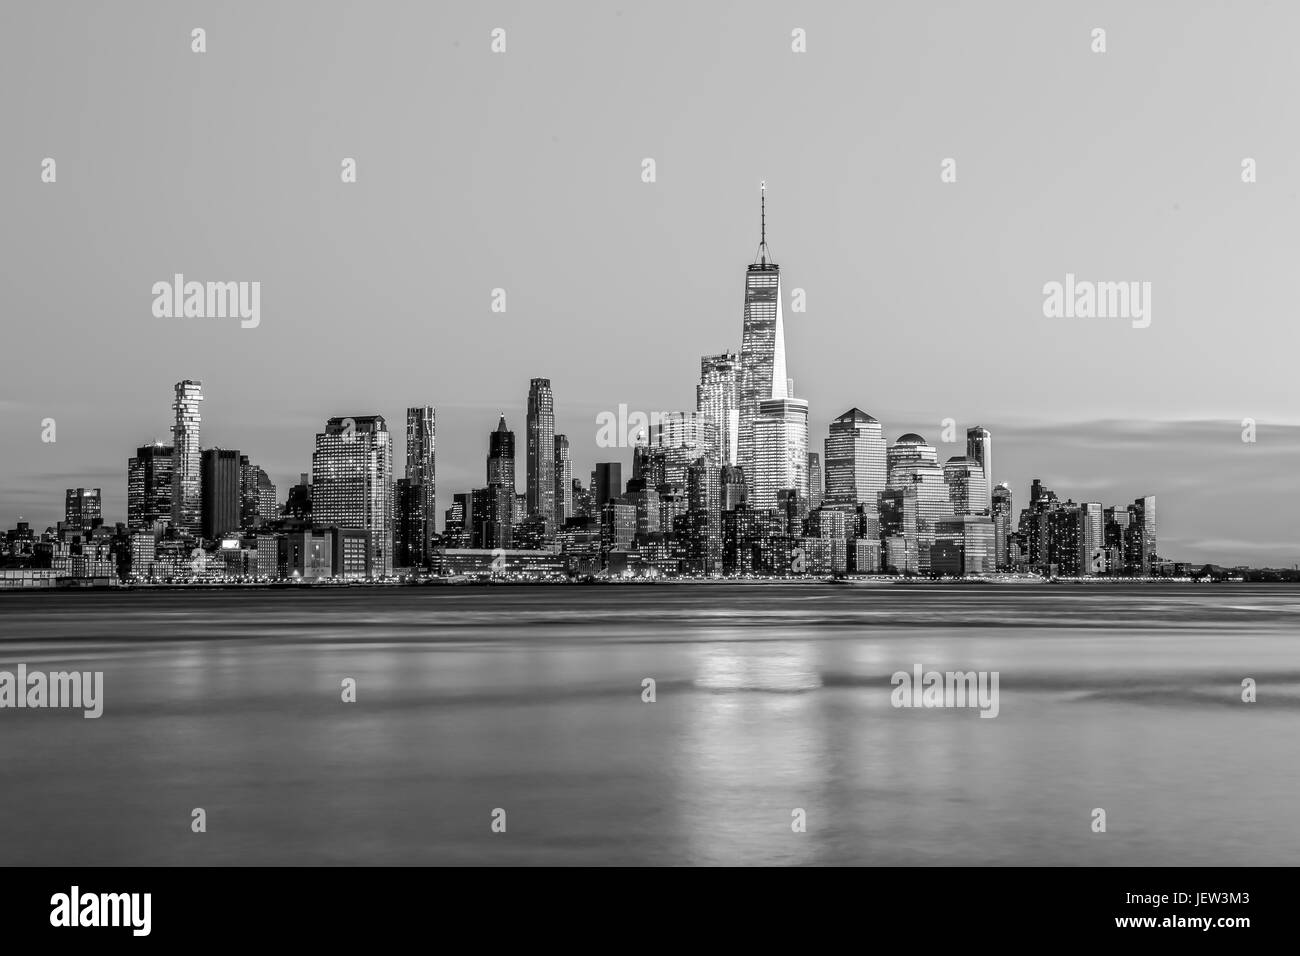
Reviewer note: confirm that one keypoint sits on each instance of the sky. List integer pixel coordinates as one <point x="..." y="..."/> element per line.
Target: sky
<point x="523" y="170"/>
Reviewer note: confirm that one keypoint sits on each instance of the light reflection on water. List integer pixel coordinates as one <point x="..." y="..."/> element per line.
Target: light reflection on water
<point x="768" y="699"/>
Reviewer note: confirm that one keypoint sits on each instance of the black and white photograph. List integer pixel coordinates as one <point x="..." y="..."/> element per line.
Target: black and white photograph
<point x="624" y="436"/>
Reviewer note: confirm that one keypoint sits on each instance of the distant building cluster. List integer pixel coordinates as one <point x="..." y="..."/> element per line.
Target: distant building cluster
<point x="730" y="488"/>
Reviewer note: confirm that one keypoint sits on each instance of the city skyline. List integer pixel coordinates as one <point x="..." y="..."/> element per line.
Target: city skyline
<point x="745" y="411"/>
<point x="902" y="272"/>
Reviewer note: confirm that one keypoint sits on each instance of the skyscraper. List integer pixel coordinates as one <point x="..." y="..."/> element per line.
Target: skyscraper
<point x="1140" y="536"/>
<point x="501" y="457"/>
<point x="716" y="400"/>
<point x="1002" y="511"/>
<point x="82" y="509"/>
<point x="352" y="482"/>
<point x="540" y="476"/>
<point x="422" y="504"/>
<point x="1116" y="524"/>
<point x="409" y="523"/>
<point x="607" y="482"/>
<point x="187" y="504"/>
<point x="979" y="449"/>
<point x="780" y="452"/>
<point x="914" y="468"/>
<point x="219" y="498"/>
<point x="256" y="495"/>
<point x="149" y="486"/>
<point x="731" y="487"/>
<point x="762" y="351"/>
<point x="1093" y="529"/>
<point x="563" y="480"/>
<point x="966" y="485"/>
<point x="855" y="460"/>
<point x="815" y="486"/>
<point x="676" y="440"/>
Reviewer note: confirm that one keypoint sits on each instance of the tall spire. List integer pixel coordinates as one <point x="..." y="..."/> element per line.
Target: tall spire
<point x="762" y="242"/>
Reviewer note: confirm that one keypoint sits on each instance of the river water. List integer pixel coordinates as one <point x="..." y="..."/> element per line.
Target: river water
<point x="770" y="699"/>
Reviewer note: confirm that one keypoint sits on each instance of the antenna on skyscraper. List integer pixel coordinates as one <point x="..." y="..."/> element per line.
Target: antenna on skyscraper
<point x="762" y="242"/>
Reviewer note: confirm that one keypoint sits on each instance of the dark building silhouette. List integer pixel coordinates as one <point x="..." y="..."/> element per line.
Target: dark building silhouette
<point x="219" y="492"/>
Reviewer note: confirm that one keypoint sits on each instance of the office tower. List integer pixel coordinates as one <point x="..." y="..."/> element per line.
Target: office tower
<point x="979" y="449"/>
<point x="501" y="456"/>
<point x="483" y="533"/>
<point x="219" y="498"/>
<point x="256" y="496"/>
<point x="715" y="399"/>
<point x="1116" y="523"/>
<point x="704" y="496"/>
<point x="908" y="453"/>
<point x="458" y="530"/>
<point x="1140" y="537"/>
<point x="651" y="465"/>
<point x="409" y="523"/>
<point x="780" y="451"/>
<point x="832" y="526"/>
<point x="584" y="500"/>
<point x="82" y="510"/>
<point x="187" y="503"/>
<point x="731" y="484"/>
<point x="617" y="525"/>
<point x="815" y="487"/>
<point x="540" y="467"/>
<point x="297" y="505"/>
<point x="459" y="513"/>
<point x="963" y="545"/>
<point x="966" y="486"/>
<point x="352" y="483"/>
<point x="914" y="465"/>
<point x="607" y="480"/>
<point x="676" y="440"/>
<point x="495" y="514"/>
<point x="1065" y="555"/>
<point x="1093" y="545"/>
<point x="646" y="502"/>
<point x="762" y="352"/>
<point x="855" y="460"/>
<point x="563" y="481"/>
<point x="421" y="459"/>
<point x="793" y="508"/>
<point x="1035" y="526"/>
<point x="149" y="486"/>
<point x="1002" y="511"/>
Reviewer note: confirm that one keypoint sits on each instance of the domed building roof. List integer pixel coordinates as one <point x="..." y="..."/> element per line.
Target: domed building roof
<point x="911" y="438"/>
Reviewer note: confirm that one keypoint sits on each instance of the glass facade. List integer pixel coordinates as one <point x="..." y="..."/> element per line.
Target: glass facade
<point x="149" y="486"/>
<point x="780" y="451"/>
<point x="421" y="461"/>
<point x="966" y="486"/>
<point x="540" y="465"/>
<point x="855" y="460"/>
<point x="187" y="504"/>
<point x="1002" y="511"/>
<point x="979" y="449"/>
<point x="762" y="352"/>
<point x="716" y="400"/>
<point x="352" y="482"/>
<point x="563" y="481"/>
